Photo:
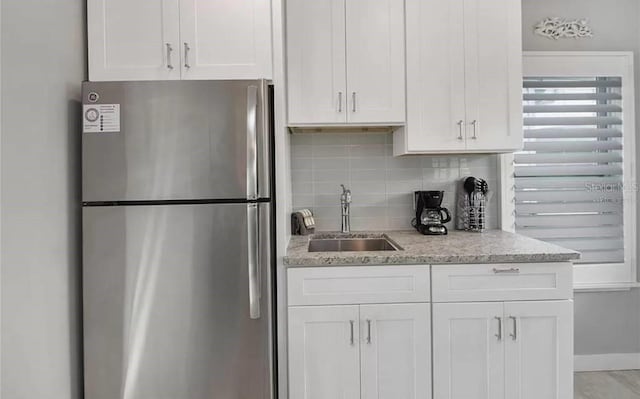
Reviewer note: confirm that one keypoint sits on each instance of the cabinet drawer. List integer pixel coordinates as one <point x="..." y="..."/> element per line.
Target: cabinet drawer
<point x="502" y="282"/>
<point x="354" y="285"/>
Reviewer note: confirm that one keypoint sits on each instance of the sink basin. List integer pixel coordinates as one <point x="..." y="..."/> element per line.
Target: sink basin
<point x="341" y="244"/>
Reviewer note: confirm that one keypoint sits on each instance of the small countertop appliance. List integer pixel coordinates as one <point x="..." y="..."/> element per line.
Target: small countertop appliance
<point x="430" y="216"/>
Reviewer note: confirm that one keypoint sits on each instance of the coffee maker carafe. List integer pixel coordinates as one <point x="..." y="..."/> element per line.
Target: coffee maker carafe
<point x="430" y="216"/>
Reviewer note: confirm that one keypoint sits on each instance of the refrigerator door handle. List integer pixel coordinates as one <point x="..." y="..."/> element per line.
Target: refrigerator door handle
<point x="252" y="260"/>
<point x="252" y="142"/>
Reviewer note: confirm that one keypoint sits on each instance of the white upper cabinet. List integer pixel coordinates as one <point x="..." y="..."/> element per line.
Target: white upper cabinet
<point x="435" y="89"/>
<point x="133" y="40"/>
<point x="345" y="62"/>
<point x="375" y="61"/>
<point x="179" y="39"/>
<point x="316" y="75"/>
<point x="225" y="39"/>
<point x="464" y="77"/>
<point x="493" y="75"/>
<point x="539" y="348"/>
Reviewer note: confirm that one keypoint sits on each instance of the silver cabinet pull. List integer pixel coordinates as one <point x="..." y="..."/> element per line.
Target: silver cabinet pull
<point x="513" y="270"/>
<point x="252" y="142"/>
<point x="252" y="260"/>
<point x="353" y="101"/>
<point x="186" y="55"/>
<point x="339" y="101"/>
<point x="475" y="129"/>
<point x="514" y="334"/>
<point x="460" y="129"/>
<point x="368" y="331"/>
<point x="499" y="334"/>
<point x="169" y="51"/>
<point x="352" y="340"/>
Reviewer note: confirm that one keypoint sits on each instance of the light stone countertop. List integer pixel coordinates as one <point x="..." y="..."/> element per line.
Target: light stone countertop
<point x="492" y="246"/>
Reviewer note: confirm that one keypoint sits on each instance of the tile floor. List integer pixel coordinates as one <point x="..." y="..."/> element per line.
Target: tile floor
<point x="607" y="385"/>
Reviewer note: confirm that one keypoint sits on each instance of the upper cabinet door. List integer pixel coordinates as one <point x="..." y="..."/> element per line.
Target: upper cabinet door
<point x="539" y="350"/>
<point x="225" y="39"/>
<point x="317" y="86"/>
<point x="468" y="351"/>
<point x="493" y="61"/>
<point x="375" y="61"/>
<point x="435" y="77"/>
<point x="324" y="359"/>
<point x="395" y="348"/>
<point x="133" y="40"/>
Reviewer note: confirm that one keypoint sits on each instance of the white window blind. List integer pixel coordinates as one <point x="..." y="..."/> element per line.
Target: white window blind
<point x="568" y="180"/>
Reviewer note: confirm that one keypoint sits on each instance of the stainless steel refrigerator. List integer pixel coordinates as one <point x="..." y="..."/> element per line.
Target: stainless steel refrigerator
<point x="177" y="240"/>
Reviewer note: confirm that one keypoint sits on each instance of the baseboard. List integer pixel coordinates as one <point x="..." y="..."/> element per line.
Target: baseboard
<point x="607" y="361"/>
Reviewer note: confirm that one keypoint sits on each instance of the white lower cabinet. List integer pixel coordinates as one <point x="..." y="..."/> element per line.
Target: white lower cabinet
<point x="496" y="350"/>
<point x="395" y="351"/>
<point x="500" y="331"/>
<point x="324" y="354"/>
<point x="468" y="355"/>
<point x="539" y="350"/>
<point x="366" y="351"/>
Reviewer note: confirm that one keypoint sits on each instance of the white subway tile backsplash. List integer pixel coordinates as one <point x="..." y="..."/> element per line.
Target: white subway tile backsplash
<point x="368" y="150"/>
<point x="404" y="174"/>
<point x="330" y="138"/>
<point x="369" y="138"/>
<point x="323" y="175"/>
<point x="365" y="175"/>
<point x="331" y="151"/>
<point x="330" y="163"/>
<point x="302" y="151"/>
<point x="301" y="201"/>
<point x="382" y="185"/>
<point x="368" y="187"/>
<point x="376" y="163"/>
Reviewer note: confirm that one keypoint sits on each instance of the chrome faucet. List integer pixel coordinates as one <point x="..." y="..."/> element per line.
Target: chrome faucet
<point x="345" y="204"/>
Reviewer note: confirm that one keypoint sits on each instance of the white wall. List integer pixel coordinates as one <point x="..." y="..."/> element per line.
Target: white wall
<point x="605" y="322"/>
<point x="43" y="63"/>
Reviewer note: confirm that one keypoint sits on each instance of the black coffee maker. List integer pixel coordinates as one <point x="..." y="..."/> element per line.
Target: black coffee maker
<point x="430" y="216"/>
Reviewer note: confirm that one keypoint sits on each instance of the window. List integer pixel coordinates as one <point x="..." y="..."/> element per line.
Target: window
<point x="572" y="185"/>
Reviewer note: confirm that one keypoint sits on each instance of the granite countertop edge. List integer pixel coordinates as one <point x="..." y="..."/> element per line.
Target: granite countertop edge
<point x="493" y="246"/>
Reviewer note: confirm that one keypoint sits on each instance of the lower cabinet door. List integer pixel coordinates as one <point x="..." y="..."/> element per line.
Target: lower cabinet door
<point x="395" y="351"/>
<point x="539" y="350"/>
<point x="324" y="355"/>
<point x="468" y="351"/>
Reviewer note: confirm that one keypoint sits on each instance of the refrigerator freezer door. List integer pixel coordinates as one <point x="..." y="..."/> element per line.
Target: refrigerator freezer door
<point x="166" y="303"/>
<point x="175" y="140"/>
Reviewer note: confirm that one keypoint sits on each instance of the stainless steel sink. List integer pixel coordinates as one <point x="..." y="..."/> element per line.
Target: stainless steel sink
<point x="340" y="244"/>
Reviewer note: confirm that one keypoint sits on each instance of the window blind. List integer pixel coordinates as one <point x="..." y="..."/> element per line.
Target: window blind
<point x="568" y="179"/>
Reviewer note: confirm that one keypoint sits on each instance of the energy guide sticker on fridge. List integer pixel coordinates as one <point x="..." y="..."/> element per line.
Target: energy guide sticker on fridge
<point x="101" y="118"/>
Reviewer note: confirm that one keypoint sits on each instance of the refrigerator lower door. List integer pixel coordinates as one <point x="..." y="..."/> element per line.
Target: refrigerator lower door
<point x="166" y="303"/>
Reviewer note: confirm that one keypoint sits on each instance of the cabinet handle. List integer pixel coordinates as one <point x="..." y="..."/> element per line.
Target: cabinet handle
<point x="368" y="331"/>
<point x="352" y="339"/>
<point x="460" y="128"/>
<point x="186" y="55"/>
<point x="499" y="334"/>
<point x="513" y="270"/>
<point x="339" y="101"/>
<point x="514" y="334"/>
<point x="169" y="51"/>
<point x="475" y="129"/>
<point x="353" y="101"/>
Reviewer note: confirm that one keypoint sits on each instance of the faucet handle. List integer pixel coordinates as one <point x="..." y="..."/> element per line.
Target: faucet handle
<point x="346" y="194"/>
